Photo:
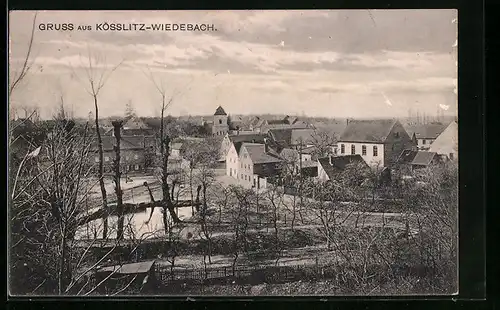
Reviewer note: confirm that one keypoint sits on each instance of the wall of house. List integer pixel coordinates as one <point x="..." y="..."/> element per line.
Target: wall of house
<point x="424" y="143"/>
<point x="259" y="182"/>
<point x="397" y="141"/>
<point x="232" y="163"/>
<point x="370" y="157"/>
<point x="245" y="171"/>
<point x="447" y="142"/>
<point x="225" y="146"/>
<point x="130" y="161"/>
<point x="322" y="176"/>
<point x="175" y="153"/>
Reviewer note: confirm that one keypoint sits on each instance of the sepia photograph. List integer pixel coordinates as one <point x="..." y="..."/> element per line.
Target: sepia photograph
<point x="233" y="153"/>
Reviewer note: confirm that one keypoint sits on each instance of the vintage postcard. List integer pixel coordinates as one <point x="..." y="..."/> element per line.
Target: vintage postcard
<point x="233" y="153"/>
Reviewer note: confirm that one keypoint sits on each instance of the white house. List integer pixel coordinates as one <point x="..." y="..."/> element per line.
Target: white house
<point x="379" y="141"/>
<point x="447" y="142"/>
<point x="232" y="160"/>
<point x="175" y="150"/>
<point x="425" y="134"/>
<point x="257" y="163"/>
<point x="229" y="140"/>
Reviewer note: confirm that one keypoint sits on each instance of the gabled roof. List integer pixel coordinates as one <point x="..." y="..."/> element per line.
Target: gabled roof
<point x="220" y="111"/>
<point x="277" y="122"/>
<point x="176" y="145"/>
<point x="427" y="131"/>
<point x="258" y="154"/>
<point x="292" y="136"/>
<point x="250" y="138"/>
<point x="126" y="143"/>
<point x="371" y="131"/>
<point x="339" y="163"/>
<point x="133" y="122"/>
<point x="309" y="163"/>
<point x="447" y="141"/>
<point x="420" y="158"/>
<point x="22" y="122"/>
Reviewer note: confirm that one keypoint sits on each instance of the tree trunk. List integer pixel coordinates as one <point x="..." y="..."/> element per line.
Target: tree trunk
<point x="62" y="263"/>
<point x="100" y="172"/>
<point x="119" y="194"/>
<point x="191" y="186"/>
<point x="168" y="205"/>
<point x="204" y="227"/>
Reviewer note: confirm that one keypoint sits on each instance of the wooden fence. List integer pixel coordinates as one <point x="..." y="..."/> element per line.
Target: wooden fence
<point x="244" y="274"/>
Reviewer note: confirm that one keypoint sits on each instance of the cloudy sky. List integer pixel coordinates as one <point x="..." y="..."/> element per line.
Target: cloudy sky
<point x="340" y="63"/>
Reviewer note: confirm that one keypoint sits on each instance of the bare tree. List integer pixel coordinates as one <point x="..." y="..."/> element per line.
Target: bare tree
<point x="199" y="153"/>
<point x="206" y="178"/>
<point x="94" y="83"/>
<point x="117" y="127"/>
<point x="18" y="77"/>
<point x="323" y="142"/>
<point x="274" y="196"/>
<point x="164" y="142"/>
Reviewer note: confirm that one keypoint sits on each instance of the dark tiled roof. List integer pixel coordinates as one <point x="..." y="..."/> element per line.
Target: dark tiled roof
<point x="220" y="111"/>
<point x="368" y="130"/>
<point x="427" y="131"/>
<point x="258" y="154"/>
<point x="126" y="143"/>
<point x="339" y="163"/>
<point x="277" y="122"/>
<point x="250" y="138"/>
<point x="421" y="158"/>
<point x="309" y="163"/>
<point x="292" y="136"/>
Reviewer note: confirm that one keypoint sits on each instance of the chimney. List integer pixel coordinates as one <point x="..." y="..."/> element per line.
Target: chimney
<point x="347" y="121"/>
<point x="330" y="157"/>
<point x="266" y="145"/>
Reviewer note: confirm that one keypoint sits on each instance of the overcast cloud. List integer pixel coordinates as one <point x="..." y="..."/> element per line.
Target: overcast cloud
<point x="323" y="63"/>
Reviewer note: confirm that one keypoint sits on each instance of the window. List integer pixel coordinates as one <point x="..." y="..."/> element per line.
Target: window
<point x="106" y="158"/>
<point x="96" y="159"/>
<point x="363" y="150"/>
<point x="245" y="177"/>
<point x="220" y="121"/>
<point x="242" y="176"/>
<point x="353" y="149"/>
<point x="241" y="165"/>
<point x="424" y="142"/>
<point x="375" y="151"/>
<point x="396" y="134"/>
<point x="342" y="149"/>
<point x="230" y="171"/>
<point x="136" y="156"/>
<point x="136" y="167"/>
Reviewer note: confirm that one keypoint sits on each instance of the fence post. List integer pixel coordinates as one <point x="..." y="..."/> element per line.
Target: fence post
<point x="317" y="267"/>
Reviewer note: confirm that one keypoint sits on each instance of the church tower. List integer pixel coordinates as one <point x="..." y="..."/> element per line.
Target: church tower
<point x="220" y="126"/>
